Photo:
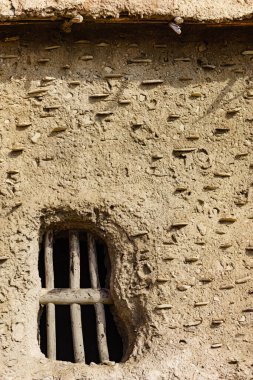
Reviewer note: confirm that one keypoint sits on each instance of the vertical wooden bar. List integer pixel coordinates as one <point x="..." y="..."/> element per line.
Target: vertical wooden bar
<point x="99" y="308"/>
<point x="75" y="309"/>
<point x="50" y="308"/>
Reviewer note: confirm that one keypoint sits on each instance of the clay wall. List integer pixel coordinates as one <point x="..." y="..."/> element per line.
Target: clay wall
<point x="161" y="168"/>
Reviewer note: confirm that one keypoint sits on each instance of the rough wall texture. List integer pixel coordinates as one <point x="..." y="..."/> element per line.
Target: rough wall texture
<point x="162" y="170"/>
<point x="207" y="10"/>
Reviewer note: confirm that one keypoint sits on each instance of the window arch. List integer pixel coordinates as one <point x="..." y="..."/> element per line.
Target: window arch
<point x="77" y="323"/>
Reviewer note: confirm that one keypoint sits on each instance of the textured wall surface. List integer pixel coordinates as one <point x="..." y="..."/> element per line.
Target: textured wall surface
<point x="205" y="10"/>
<point x="146" y="139"/>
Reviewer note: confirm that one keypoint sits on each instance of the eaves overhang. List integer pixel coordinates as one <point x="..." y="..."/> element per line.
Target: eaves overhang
<point x="211" y="12"/>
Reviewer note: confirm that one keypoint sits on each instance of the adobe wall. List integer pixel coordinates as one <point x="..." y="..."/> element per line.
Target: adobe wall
<point x="162" y="171"/>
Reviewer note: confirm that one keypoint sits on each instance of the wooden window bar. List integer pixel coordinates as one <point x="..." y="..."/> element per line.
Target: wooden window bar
<point x="75" y="297"/>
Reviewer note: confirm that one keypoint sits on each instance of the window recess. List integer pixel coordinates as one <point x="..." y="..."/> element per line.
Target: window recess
<point x="77" y="323"/>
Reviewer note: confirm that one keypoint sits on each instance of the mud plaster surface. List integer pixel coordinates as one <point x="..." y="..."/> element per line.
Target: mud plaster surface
<point x="205" y="10"/>
<point x="165" y="176"/>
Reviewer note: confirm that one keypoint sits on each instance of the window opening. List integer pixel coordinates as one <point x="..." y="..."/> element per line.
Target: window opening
<point x="77" y="324"/>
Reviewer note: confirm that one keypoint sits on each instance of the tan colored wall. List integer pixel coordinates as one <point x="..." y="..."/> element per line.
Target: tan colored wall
<point x="123" y="175"/>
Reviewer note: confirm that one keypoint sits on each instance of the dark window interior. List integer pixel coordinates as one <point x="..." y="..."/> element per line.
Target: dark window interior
<point x="63" y="323"/>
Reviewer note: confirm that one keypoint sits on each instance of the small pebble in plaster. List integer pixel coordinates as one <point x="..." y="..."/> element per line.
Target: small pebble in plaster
<point x="41" y="91"/>
<point x="8" y="56"/>
<point x="206" y="279"/>
<point x="228" y="219"/>
<point x="47" y="79"/>
<point x="82" y="42"/>
<point x="226" y="287"/>
<point x="17" y="148"/>
<point x="210" y="187"/>
<point x="175" y="27"/>
<point x="192" y="137"/>
<point x="179" y="224"/>
<point x="53" y="47"/>
<point x="59" y="129"/>
<point x="139" y="60"/>
<point x="225" y="245"/>
<point x="162" y="279"/>
<point x="208" y="67"/>
<point x="152" y="81"/>
<point x="192" y="259"/>
<point x="202" y="303"/>
<point x="163" y="306"/>
<point x="104" y="113"/>
<point x="35" y="137"/>
<point x="178" y="20"/>
<point x="23" y="125"/>
<point x="221" y="130"/>
<point x="12" y="39"/>
<point x="241" y="154"/>
<point x="183" y="287"/>
<point x="139" y="234"/>
<point x="43" y="60"/>
<point x="87" y="57"/>
<point x="242" y="280"/>
<point x="113" y="76"/>
<point x="168" y="258"/>
<point x="247" y="52"/>
<point x="157" y="156"/>
<point x="99" y="96"/>
<point x="173" y="117"/>
<point x="222" y="174"/>
<point x="216" y="345"/>
<point x="180" y="151"/>
<point x="109" y="363"/>
<point x="217" y="321"/>
<point x="51" y="107"/>
<point x="183" y="59"/>
<point x="102" y="44"/>
<point x="193" y="323"/>
<point x="233" y="111"/>
<point x="124" y="101"/>
<point x="74" y="83"/>
<point x="196" y="94"/>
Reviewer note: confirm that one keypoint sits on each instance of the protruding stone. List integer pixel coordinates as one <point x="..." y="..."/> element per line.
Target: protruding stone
<point x="191" y="259"/>
<point x="193" y="323"/>
<point x="164" y="306"/>
<point x="247" y="52"/>
<point x="53" y="47"/>
<point x="216" y="345"/>
<point x="87" y="58"/>
<point x="228" y="219"/>
<point x="152" y="82"/>
<point x="242" y="280"/>
<point x="202" y="303"/>
<point x="183" y="287"/>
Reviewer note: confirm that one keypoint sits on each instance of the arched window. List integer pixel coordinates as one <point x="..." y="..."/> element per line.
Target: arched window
<point x="76" y="323"/>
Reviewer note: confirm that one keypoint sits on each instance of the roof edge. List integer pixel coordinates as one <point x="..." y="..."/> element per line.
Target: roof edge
<point x="205" y="11"/>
